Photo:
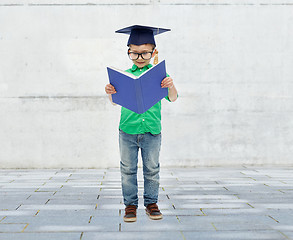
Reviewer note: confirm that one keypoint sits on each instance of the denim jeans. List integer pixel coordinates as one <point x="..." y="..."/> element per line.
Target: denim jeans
<point x="150" y="146"/>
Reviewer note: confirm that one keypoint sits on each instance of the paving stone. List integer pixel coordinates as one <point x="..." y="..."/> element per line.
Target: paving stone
<point x="284" y="227"/>
<point x="144" y="224"/>
<point x="66" y="228"/>
<point x="7" y="190"/>
<point x="7" y="206"/>
<point x="164" y="235"/>
<point x="197" y="203"/>
<point x="188" y="205"/>
<point x="62" y="224"/>
<point x="71" y="201"/>
<point x="40" y="236"/>
<point x="232" y="235"/>
<point x="194" y="223"/>
<point x="16" y="213"/>
<point x="77" y="213"/>
<point x="12" y="227"/>
<point x="181" y="212"/>
<point x="274" y="205"/>
<point x="37" y="220"/>
<point x="240" y="226"/>
<point x="48" y="207"/>
<point x="287" y="234"/>
<point x="202" y="197"/>
<point x="235" y="211"/>
<point x="282" y="216"/>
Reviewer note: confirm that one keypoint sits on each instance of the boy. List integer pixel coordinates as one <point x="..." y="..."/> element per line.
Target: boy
<point x="141" y="130"/>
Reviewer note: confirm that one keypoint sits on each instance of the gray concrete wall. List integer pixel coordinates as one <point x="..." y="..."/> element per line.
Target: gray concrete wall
<point x="231" y="60"/>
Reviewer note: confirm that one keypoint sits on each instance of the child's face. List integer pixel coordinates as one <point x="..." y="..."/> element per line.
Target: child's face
<point x="144" y="48"/>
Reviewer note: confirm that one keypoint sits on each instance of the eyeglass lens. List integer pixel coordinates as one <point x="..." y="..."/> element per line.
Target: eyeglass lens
<point x="145" y="55"/>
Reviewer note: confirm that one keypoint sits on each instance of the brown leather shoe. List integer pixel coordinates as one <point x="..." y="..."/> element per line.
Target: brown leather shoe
<point x="130" y="214"/>
<point x="152" y="210"/>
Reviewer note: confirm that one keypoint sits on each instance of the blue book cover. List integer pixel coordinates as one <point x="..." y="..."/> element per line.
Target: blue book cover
<point x="138" y="93"/>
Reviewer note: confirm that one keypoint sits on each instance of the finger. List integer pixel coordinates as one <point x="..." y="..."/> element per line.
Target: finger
<point x="167" y="84"/>
<point x="110" y="88"/>
<point x="165" y="80"/>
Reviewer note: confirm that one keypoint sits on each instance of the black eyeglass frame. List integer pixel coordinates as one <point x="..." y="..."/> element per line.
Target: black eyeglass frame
<point x="139" y="54"/>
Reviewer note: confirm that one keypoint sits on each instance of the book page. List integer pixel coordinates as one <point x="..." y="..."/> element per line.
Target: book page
<point x="124" y="73"/>
<point x="150" y="69"/>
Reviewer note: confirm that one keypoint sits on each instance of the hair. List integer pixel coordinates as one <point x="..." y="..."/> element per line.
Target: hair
<point x="153" y="46"/>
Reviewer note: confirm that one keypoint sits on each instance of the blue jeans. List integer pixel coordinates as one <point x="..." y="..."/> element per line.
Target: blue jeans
<point x="150" y="146"/>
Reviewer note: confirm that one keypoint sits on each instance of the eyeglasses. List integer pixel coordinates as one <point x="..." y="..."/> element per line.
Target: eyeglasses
<point x="144" y="55"/>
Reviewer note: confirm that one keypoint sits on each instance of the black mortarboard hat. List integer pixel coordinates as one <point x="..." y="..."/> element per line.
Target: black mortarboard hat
<point x="141" y="34"/>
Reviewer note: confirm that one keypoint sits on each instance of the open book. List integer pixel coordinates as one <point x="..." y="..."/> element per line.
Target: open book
<point x="138" y="93"/>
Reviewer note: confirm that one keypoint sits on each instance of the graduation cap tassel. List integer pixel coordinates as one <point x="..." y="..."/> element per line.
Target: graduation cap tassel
<point x="156" y="59"/>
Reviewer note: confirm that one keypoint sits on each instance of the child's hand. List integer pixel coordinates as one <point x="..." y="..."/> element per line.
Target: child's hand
<point x="167" y="83"/>
<point x="109" y="89"/>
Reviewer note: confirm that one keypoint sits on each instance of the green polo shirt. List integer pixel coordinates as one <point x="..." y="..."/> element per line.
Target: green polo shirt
<point x="149" y="121"/>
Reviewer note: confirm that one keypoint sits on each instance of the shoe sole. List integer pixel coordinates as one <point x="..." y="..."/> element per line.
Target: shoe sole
<point x="159" y="217"/>
<point x="129" y="219"/>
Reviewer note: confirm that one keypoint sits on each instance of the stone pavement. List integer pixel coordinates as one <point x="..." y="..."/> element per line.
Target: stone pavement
<point x="197" y="203"/>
